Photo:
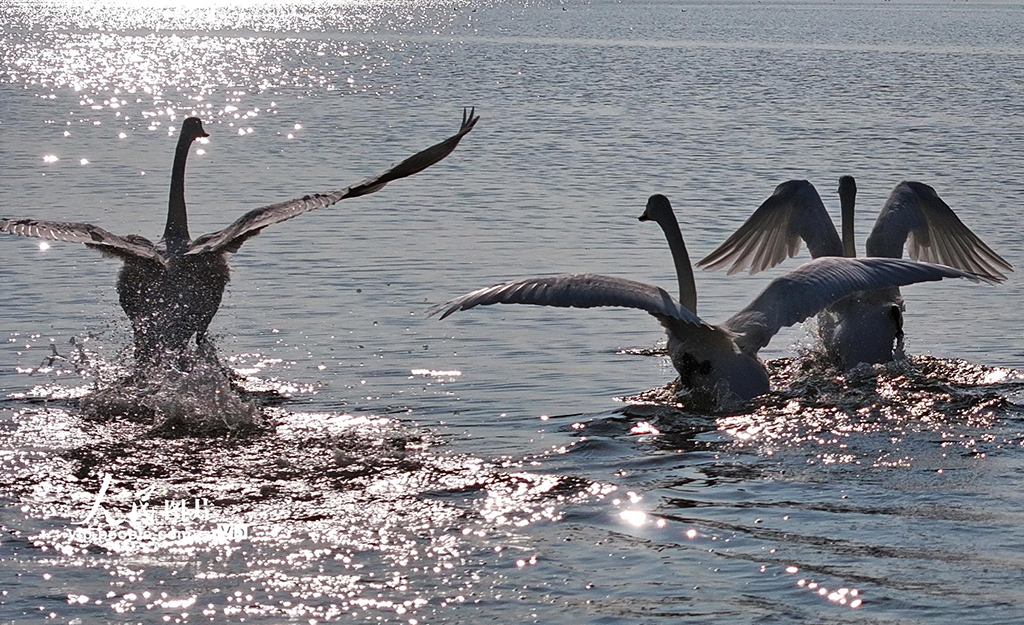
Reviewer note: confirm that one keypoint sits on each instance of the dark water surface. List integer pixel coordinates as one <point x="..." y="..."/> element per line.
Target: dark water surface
<point x="511" y="464"/>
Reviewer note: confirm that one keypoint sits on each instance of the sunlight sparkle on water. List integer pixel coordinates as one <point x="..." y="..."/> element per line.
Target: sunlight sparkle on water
<point x="437" y="373"/>
<point x="379" y="515"/>
<point x="643" y="427"/>
<point x="843" y="596"/>
<point x="633" y="517"/>
<point x="121" y="73"/>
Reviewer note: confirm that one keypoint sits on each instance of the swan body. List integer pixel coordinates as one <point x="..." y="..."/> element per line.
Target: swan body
<point x="721" y="359"/>
<point x="864" y="327"/>
<point x="171" y="290"/>
<point x="169" y="303"/>
<point x="710" y="360"/>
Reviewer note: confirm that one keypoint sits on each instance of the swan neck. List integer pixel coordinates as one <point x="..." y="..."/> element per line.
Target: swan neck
<point x="847" y="200"/>
<point x="684" y="270"/>
<point x="176" y="230"/>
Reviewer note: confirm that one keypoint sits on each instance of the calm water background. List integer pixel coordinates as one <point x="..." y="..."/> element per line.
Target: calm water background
<point x="506" y="496"/>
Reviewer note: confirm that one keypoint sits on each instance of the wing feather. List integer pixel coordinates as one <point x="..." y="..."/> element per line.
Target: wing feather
<point x="807" y="290"/>
<point x="132" y="245"/>
<point x="250" y="224"/>
<point x="915" y="216"/>
<point x="575" y="291"/>
<point x="794" y="212"/>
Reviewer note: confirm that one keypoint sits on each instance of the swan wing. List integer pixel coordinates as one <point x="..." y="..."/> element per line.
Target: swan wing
<point x="583" y="290"/>
<point x="250" y="224"/>
<point x="132" y="245"/>
<point x="807" y="290"/>
<point x="794" y="212"/>
<point x="915" y="214"/>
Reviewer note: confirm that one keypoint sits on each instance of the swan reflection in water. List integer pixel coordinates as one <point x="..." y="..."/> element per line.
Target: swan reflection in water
<point x="865" y="327"/>
<point x="720" y="359"/>
<point x="171" y="290"/>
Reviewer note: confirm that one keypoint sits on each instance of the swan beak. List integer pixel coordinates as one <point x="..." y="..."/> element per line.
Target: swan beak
<point x="643" y="217"/>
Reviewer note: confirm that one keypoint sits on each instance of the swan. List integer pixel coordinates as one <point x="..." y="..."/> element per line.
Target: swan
<point x="171" y="290"/>
<point x="862" y="328"/>
<point x="717" y="358"/>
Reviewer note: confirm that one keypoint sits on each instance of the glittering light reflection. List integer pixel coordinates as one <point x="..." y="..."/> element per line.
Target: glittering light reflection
<point x="842" y="596"/>
<point x="334" y="513"/>
<point x="166" y="76"/>
<point x="849" y="417"/>
<point x="436" y="373"/>
<point x="643" y="427"/>
<point x="298" y="488"/>
<point x="635" y="518"/>
<point x="911" y="422"/>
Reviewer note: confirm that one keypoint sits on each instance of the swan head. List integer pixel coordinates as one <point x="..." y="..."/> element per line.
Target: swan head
<point x="847" y="185"/>
<point x="192" y="129"/>
<point x="658" y="209"/>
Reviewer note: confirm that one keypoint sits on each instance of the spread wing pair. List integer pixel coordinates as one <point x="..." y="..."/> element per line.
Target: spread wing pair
<point x="914" y="215"/>
<point x="248" y="225"/>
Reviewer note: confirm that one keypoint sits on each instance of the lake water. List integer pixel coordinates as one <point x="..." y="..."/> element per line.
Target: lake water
<point x="509" y="464"/>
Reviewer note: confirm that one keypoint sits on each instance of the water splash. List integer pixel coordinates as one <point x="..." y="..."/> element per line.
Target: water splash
<point x="192" y="396"/>
<point x="202" y="401"/>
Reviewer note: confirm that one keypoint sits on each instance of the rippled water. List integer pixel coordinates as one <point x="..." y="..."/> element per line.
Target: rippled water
<point x="511" y="464"/>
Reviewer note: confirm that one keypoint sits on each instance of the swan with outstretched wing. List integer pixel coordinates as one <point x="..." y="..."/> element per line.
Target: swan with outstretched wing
<point x="707" y="356"/>
<point x="867" y="326"/>
<point x="172" y="289"/>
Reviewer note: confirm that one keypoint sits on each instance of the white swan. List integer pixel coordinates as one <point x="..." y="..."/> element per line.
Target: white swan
<point x="710" y="357"/>
<point x="172" y="290"/>
<point x="864" y="327"/>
